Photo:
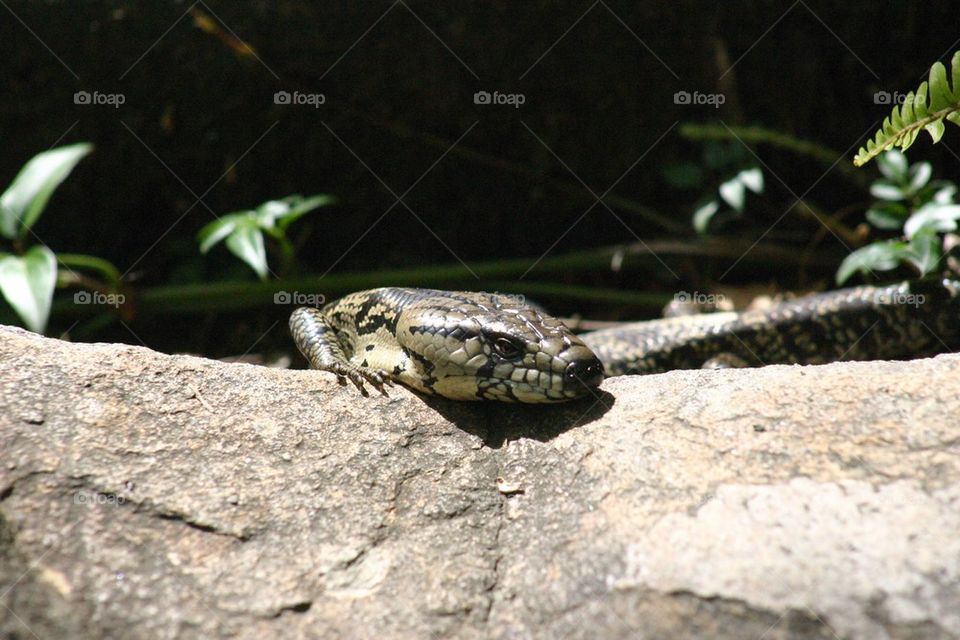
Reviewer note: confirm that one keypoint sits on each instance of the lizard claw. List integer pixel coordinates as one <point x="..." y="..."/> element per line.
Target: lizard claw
<point x="359" y="375"/>
<point x="378" y="379"/>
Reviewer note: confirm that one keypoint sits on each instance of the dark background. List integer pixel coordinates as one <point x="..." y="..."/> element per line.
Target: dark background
<point x="199" y="134"/>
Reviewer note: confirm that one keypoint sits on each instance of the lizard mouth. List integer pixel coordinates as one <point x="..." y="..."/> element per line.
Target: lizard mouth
<point x="579" y="379"/>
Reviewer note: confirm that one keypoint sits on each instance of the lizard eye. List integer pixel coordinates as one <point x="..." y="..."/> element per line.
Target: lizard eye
<point x="507" y="348"/>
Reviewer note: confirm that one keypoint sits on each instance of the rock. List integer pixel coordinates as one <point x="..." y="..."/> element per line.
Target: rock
<point x="152" y="496"/>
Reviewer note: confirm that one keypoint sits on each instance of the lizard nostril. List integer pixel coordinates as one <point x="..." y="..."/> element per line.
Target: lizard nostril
<point x="588" y="373"/>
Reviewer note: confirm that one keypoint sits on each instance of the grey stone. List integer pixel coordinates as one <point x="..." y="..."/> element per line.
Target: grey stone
<point x="152" y="496"/>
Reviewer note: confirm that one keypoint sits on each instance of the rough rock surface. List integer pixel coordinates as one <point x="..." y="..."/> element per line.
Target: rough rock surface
<point x="152" y="496"/>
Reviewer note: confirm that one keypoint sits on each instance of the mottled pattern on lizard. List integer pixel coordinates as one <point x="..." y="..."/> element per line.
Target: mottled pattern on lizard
<point x="460" y="345"/>
<point x="474" y="346"/>
<point x="860" y="323"/>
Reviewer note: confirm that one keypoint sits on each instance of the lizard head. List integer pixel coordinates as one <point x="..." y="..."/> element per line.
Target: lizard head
<point x="469" y="346"/>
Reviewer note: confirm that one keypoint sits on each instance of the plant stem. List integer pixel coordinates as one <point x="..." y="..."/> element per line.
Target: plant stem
<point x="247" y="294"/>
<point x="826" y="156"/>
<point x="80" y="261"/>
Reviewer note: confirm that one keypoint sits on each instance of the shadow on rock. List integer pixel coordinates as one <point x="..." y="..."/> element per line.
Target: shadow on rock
<point x="497" y="422"/>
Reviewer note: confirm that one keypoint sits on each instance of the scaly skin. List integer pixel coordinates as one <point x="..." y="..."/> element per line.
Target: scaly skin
<point x="472" y="346"/>
<point x="460" y="345"/>
<point x="861" y="323"/>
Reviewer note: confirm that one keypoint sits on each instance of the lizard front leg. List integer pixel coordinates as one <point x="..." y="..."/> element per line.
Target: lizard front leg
<point x="318" y="342"/>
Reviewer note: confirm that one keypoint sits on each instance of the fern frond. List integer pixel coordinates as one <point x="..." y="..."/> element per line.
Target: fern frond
<point x="926" y="109"/>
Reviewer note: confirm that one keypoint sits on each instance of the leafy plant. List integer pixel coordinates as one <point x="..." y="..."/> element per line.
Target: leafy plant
<point x="733" y="192"/>
<point x="28" y="276"/>
<point x="27" y="283"/>
<point x="925" y="110"/>
<point x="243" y="231"/>
<point x="909" y="202"/>
<point x="720" y="160"/>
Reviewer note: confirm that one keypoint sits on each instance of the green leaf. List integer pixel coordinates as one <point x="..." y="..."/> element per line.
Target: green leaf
<point x="935" y="129"/>
<point x="246" y="242"/>
<point x="92" y="263"/>
<point x="936" y="191"/>
<point x="304" y="206"/>
<point x="888" y="215"/>
<point x="703" y="215"/>
<point x="243" y="230"/>
<point x="219" y="229"/>
<point x="940" y="95"/>
<point x="886" y="191"/>
<point x="281" y="213"/>
<point x="955" y="66"/>
<point x="734" y="193"/>
<point x="27" y="284"/>
<point x="24" y="200"/>
<point x="752" y="179"/>
<point x="925" y="251"/>
<point x="879" y="256"/>
<point x="920" y="101"/>
<point x="919" y="176"/>
<point x="893" y="165"/>
<point x="922" y="110"/>
<point x="271" y="210"/>
<point x="938" y="218"/>
<point x="943" y="192"/>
